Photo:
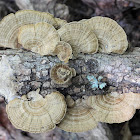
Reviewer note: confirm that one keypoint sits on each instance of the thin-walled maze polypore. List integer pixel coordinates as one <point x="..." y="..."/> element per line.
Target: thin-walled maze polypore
<point x="79" y="117"/>
<point x="43" y="34"/>
<point x="111" y="36"/>
<point x="9" y="25"/>
<point x="40" y="38"/>
<point x="114" y="107"/>
<point x="62" y="74"/>
<point x="35" y="114"/>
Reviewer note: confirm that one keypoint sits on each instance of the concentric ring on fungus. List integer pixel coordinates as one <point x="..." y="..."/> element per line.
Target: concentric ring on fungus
<point x="79" y="117"/>
<point x="80" y="37"/>
<point x="41" y="38"/>
<point x="10" y="24"/>
<point x="35" y="114"/>
<point x="111" y="36"/>
<point x="62" y="74"/>
<point x="114" y="107"/>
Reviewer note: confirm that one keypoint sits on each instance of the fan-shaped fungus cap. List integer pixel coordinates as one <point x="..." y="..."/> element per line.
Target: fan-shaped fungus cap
<point x="60" y="22"/>
<point x="62" y="74"/>
<point x="80" y="37"/>
<point x="25" y="17"/>
<point x="63" y="51"/>
<point x="35" y="114"/>
<point x="8" y="31"/>
<point x="10" y="24"/>
<point x="114" y="107"/>
<point x="40" y="38"/>
<point x="111" y="36"/>
<point x="70" y="102"/>
<point x="78" y="118"/>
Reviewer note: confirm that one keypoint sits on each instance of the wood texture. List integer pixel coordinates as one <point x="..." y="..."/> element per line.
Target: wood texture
<point x="120" y="72"/>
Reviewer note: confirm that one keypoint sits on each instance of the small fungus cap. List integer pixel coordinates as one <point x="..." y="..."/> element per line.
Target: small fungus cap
<point x="39" y="38"/>
<point x="111" y="36"/>
<point x="114" y="107"/>
<point x="63" y="51"/>
<point x="80" y="37"/>
<point x="62" y="74"/>
<point x="35" y="114"/>
<point x="78" y="118"/>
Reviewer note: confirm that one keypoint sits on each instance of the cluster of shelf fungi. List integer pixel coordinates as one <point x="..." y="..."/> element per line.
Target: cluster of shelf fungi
<point x="43" y="34"/>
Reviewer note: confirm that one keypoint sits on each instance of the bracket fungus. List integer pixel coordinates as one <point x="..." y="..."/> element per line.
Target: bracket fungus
<point x="114" y="107"/>
<point x="62" y="74"/>
<point x="63" y="51"/>
<point x="35" y="114"/>
<point x="25" y="17"/>
<point x="60" y="22"/>
<point x="37" y="31"/>
<point x="81" y="38"/>
<point x="10" y="24"/>
<point x="111" y="36"/>
<point x="79" y="117"/>
<point x="41" y="38"/>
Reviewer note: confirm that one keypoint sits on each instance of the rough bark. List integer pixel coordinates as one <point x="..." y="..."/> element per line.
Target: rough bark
<point x="120" y="72"/>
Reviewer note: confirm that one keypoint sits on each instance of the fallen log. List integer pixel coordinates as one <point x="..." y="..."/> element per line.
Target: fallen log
<point x="120" y="72"/>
